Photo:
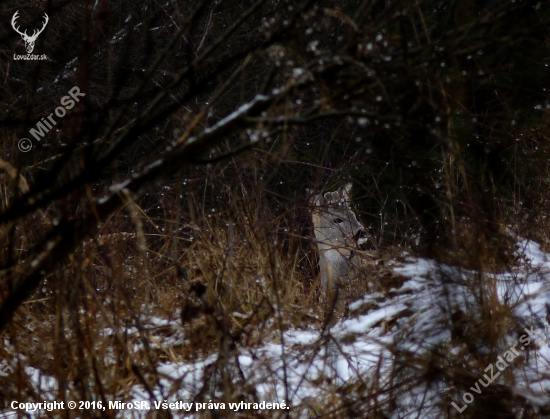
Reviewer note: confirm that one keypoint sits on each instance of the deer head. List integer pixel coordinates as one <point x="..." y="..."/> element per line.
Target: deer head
<point x="337" y="232"/>
<point x="29" y="40"/>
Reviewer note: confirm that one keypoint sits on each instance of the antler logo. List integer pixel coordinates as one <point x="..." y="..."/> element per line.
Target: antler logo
<point x="29" y="40"/>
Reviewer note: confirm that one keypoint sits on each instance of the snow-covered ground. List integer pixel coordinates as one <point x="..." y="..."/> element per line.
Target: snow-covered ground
<point x="383" y="349"/>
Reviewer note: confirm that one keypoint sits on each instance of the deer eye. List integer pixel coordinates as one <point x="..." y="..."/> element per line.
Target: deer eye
<point x="338" y="220"/>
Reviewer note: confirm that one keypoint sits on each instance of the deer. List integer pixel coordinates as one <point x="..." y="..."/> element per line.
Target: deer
<point x="29" y="40"/>
<point x="339" y="235"/>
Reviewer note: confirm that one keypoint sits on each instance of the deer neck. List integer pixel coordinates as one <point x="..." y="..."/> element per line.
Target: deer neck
<point x="333" y="264"/>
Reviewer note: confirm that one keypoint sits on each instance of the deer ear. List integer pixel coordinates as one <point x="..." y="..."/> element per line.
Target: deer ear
<point x="345" y="192"/>
<point x="314" y="200"/>
<point x="332" y="197"/>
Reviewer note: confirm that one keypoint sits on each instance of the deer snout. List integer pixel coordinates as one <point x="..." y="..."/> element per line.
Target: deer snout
<point x="361" y="236"/>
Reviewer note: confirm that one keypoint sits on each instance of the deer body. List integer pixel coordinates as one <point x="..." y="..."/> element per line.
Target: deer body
<point x="337" y="233"/>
